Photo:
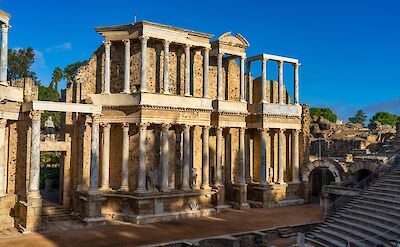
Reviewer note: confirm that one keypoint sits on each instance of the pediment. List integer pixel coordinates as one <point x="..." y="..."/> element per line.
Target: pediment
<point x="237" y="40"/>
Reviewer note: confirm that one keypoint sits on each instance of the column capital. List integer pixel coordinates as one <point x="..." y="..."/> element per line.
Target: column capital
<point x="187" y="46"/>
<point x="219" y="129"/>
<point x="3" y="123"/>
<point x="143" y="126"/>
<point x="263" y="129"/>
<point x="280" y="62"/>
<point x="282" y="130"/>
<point x="95" y="118"/>
<point x="296" y="131"/>
<point x="296" y="65"/>
<point x="264" y="59"/>
<point x="242" y="58"/>
<point x="34" y="114"/>
<point x="144" y="38"/>
<point x="125" y="126"/>
<point x="220" y="54"/>
<point x="166" y="42"/>
<point x="5" y="27"/>
<point x="206" y="128"/>
<point x="126" y="41"/>
<point x="106" y="126"/>
<point x="165" y="126"/>
<point x="107" y="42"/>
<point x="186" y="128"/>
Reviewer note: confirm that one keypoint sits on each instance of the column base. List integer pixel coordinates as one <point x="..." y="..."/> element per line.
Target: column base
<point x="92" y="208"/>
<point x="105" y="188"/>
<point x="4" y="83"/>
<point x="241" y="196"/>
<point x="126" y="92"/>
<point x="281" y="182"/>
<point x="124" y="188"/>
<point x="141" y="191"/>
<point x="30" y="213"/>
<point x="206" y="187"/>
<point x="188" y="95"/>
<point x="165" y="190"/>
<point x="167" y="93"/>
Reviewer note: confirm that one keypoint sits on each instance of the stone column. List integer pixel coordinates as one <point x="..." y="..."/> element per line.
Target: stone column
<point x="107" y="48"/>
<point x="248" y="91"/>
<point x="166" y="67"/>
<point x="34" y="171"/>
<point x="187" y="70"/>
<point x="125" y="158"/>
<point x="143" y="64"/>
<point x="281" y="137"/>
<point x="4" y="53"/>
<point x="94" y="154"/>
<point x="206" y="57"/>
<point x="296" y="83"/>
<point x="295" y="156"/>
<point x="105" y="172"/>
<point x="127" y="70"/>
<point x="264" y="80"/>
<point x="205" y="182"/>
<point x="164" y="157"/>
<point x="3" y="157"/>
<point x="141" y="187"/>
<point x="280" y="81"/>
<point x="219" y="77"/>
<point x="218" y="173"/>
<point x="186" y="158"/>
<point x="242" y="86"/>
<point x="263" y="156"/>
<point x="241" y="156"/>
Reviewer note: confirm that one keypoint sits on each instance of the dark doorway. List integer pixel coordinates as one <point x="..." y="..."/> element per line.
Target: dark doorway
<point x="50" y="177"/>
<point x="319" y="177"/>
<point x="362" y="174"/>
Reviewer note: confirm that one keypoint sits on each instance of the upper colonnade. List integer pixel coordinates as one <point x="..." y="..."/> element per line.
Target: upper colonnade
<point x="4" y="22"/>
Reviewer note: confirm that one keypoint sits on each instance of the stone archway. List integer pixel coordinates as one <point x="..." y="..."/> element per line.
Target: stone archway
<point x="362" y="169"/>
<point x="333" y="166"/>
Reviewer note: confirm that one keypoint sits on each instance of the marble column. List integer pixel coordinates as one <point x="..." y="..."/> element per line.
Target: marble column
<point x="206" y="57"/>
<point x="143" y="64"/>
<point x="296" y="83"/>
<point x="164" y="157"/>
<point x="241" y="156"/>
<point x="242" y="83"/>
<point x="34" y="171"/>
<point x="107" y="48"/>
<point x="186" y="158"/>
<point x="187" y="70"/>
<point x="105" y="167"/>
<point x="249" y="86"/>
<point x="166" y="67"/>
<point x="281" y="164"/>
<point x="3" y="157"/>
<point x="141" y="187"/>
<point x="295" y="156"/>
<point x="94" y="154"/>
<point x="125" y="158"/>
<point x="127" y="68"/>
<point x="4" y="54"/>
<point x="280" y="81"/>
<point x="205" y="182"/>
<point x="264" y="80"/>
<point x="218" y="173"/>
<point x="263" y="156"/>
<point x="219" y="77"/>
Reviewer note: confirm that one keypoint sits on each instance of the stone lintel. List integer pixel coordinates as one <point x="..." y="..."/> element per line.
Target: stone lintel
<point x="61" y="107"/>
<point x="57" y="146"/>
<point x="276" y="109"/>
<point x="273" y="58"/>
<point x="11" y="93"/>
<point x="230" y="106"/>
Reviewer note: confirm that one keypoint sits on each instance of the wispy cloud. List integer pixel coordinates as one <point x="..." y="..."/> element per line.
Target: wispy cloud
<point x="59" y="48"/>
<point x="390" y="105"/>
<point x="39" y="63"/>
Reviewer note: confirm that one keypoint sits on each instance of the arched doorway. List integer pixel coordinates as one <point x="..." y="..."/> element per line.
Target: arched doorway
<point x="362" y="174"/>
<point x="319" y="177"/>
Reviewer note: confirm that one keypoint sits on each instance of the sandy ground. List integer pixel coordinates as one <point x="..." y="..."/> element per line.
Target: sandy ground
<point x="124" y="234"/>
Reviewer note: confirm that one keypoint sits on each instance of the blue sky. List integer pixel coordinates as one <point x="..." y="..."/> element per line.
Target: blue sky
<point x="349" y="50"/>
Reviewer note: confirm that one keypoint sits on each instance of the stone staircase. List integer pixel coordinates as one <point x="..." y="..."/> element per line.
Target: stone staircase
<point x="370" y="219"/>
<point x="55" y="213"/>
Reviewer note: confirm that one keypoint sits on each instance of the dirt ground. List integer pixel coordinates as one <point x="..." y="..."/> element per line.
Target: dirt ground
<point x="126" y="234"/>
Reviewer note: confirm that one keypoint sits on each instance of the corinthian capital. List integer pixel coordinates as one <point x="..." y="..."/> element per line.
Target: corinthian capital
<point x="34" y="114"/>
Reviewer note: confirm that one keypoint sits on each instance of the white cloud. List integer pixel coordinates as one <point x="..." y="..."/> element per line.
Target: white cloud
<point x="59" y="48"/>
<point x="39" y="60"/>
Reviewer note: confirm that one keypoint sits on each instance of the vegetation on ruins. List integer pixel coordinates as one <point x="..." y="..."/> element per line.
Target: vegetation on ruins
<point x="324" y="112"/>
<point x="19" y="64"/>
<point x="71" y="69"/>
<point x="359" y="118"/>
<point x="385" y="118"/>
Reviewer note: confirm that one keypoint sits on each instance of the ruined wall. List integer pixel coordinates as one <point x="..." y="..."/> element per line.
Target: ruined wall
<point x="272" y="92"/>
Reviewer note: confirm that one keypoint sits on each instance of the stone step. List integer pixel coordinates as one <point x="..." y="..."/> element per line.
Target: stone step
<point x="315" y="242"/>
<point x="374" y="210"/>
<point x="376" y="204"/>
<point x="390" y="180"/>
<point x="385" y="185"/>
<point x="326" y="239"/>
<point x="343" y="238"/>
<point x="383" y="219"/>
<point x="387" y="190"/>
<point x="359" y="236"/>
<point x="380" y="199"/>
<point x="382" y="194"/>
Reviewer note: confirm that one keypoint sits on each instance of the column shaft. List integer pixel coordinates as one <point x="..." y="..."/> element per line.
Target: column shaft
<point x="105" y="172"/>
<point x="206" y="62"/>
<point x="241" y="156"/>
<point x="143" y="64"/>
<point x="127" y="70"/>
<point x="242" y="83"/>
<point x="107" y="47"/>
<point x="166" y="67"/>
<point x="34" y="171"/>
<point x="264" y="80"/>
<point x="141" y="187"/>
<point x="3" y="157"/>
<point x="218" y="177"/>
<point x="4" y="54"/>
<point x="94" y="154"/>
<point x="249" y="86"/>
<point x="219" y="77"/>
<point x="164" y="157"/>
<point x="280" y="81"/>
<point x="125" y="158"/>
<point x="296" y="83"/>
<point x="281" y="137"/>
<point x="263" y="158"/>
<point x="186" y="158"/>
<point x="295" y="156"/>
<point x="205" y="182"/>
<point x="187" y="70"/>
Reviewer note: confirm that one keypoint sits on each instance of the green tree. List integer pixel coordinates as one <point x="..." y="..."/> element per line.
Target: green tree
<point x="19" y="64"/>
<point x="49" y="94"/>
<point x="324" y="112"/>
<point x="71" y="70"/>
<point x="359" y="118"/>
<point x="385" y="118"/>
<point x="57" y="77"/>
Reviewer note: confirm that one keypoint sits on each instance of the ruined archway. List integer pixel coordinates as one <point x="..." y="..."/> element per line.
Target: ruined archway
<point x="336" y="169"/>
<point x="362" y="169"/>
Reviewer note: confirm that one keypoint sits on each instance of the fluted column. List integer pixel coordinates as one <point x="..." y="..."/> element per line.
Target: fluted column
<point x="186" y="158"/>
<point x="187" y="70"/>
<point x="281" y="137"/>
<point x="264" y="80"/>
<point x="141" y="187"/>
<point x="241" y="156"/>
<point x="143" y="64"/>
<point x="219" y="77"/>
<point x="94" y="154"/>
<point x="107" y="51"/>
<point x="206" y="57"/>
<point x="218" y="174"/>
<point x="34" y="171"/>
<point x="242" y="86"/>
<point x="166" y="66"/>
<point x="280" y="81"/>
<point x="4" y="54"/>
<point x="127" y="68"/>
<point x="296" y="83"/>
<point x="205" y="182"/>
<point x="125" y="158"/>
<point x="263" y="156"/>
<point x="295" y="156"/>
<point x="164" y="157"/>
<point x="3" y="158"/>
<point x="105" y="167"/>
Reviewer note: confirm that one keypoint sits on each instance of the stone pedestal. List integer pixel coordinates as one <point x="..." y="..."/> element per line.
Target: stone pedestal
<point x="30" y="213"/>
<point x="92" y="211"/>
<point x="241" y="197"/>
<point x="6" y="203"/>
<point x="219" y="199"/>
